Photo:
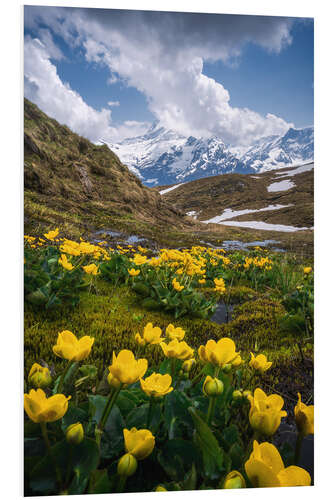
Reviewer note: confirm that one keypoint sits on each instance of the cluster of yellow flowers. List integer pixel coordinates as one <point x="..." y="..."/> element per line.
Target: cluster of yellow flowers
<point x="264" y="467"/>
<point x="261" y="262"/>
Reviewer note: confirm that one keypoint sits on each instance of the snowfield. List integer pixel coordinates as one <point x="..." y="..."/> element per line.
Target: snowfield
<point x="265" y="226"/>
<point x="230" y="214"/>
<point x="170" y="189"/>
<point x="280" y="186"/>
<point x="295" y="171"/>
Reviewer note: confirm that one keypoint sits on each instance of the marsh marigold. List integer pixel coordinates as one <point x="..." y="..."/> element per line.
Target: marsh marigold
<point x="69" y="347"/>
<point x="265" y="468"/>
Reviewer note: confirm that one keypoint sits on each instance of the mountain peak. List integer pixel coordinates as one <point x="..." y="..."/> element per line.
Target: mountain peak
<point x="163" y="156"/>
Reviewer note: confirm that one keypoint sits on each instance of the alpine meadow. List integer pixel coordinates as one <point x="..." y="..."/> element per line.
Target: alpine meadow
<point x="168" y="251"/>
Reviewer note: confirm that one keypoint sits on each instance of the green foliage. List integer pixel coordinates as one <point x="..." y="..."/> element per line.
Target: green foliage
<point x="46" y="283"/>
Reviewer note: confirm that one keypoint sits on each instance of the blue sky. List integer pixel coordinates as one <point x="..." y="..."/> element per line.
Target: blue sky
<point x="239" y="77"/>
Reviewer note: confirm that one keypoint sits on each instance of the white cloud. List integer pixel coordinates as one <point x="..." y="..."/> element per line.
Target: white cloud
<point x="162" y="55"/>
<point x="56" y="98"/>
<point x="113" y="103"/>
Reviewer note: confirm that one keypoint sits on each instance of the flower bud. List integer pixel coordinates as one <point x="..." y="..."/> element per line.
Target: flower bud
<point x="234" y="480"/>
<point x="246" y="394"/>
<point x="237" y="395"/>
<point x="227" y="368"/>
<point x="39" y="377"/>
<point x="187" y="365"/>
<point x="212" y="386"/>
<point x="75" y="433"/>
<point x="127" y="465"/>
<point x="160" y="488"/>
<point x="113" y="381"/>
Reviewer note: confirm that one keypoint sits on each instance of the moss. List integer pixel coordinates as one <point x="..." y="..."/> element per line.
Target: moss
<point x="112" y="317"/>
<point x="255" y="324"/>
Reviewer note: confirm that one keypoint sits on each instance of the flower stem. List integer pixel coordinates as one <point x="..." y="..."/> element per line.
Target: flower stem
<point x="48" y="446"/>
<point x="211" y="408"/>
<point x="151" y="402"/>
<point x="121" y="484"/>
<point x="108" y="407"/>
<point x="196" y="378"/>
<point x="298" y="447"/>
<point x="63" y="375"/>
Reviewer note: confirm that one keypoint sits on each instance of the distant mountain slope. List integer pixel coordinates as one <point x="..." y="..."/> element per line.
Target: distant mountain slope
<point x="70" y="181"/>
<point x="163" y="156"/>
<point x="296" y="146"/>
<point x="280" y="197"/>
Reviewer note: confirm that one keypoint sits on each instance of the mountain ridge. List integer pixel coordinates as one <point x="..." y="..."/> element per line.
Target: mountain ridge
<point x="162" y="156"/>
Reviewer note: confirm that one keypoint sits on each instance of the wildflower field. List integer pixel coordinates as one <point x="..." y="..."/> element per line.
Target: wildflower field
<point x="132" y="386"/>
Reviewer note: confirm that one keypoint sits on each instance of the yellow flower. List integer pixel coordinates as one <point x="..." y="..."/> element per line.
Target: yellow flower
<point x="139" y="259"/>
<point x="139" y="443"/>
<point x="126" y="368"/>
<point x="39" y="408"/>
<point x="265" y="469"/>
<point x="176" y="349"/>
<point x="304" y="416"/>
<point x="219" y="285"/>
<point x="71" y="348"/>
<point x="64" y="262"/>
<point x="91" y="269"/>
<point x="234" y="480"/>
<point x="177" y="286"/>
<point x="307" y="270"/>
<point x="175" y="332"/>
<point x="157" y="385"/>
<point x="212" y="386"/>
<point x="265" y="412"/>
<point x="259" y="363"/>
<point x="133" y="272"/>
<point x="151" y="335"/>
<point x="52" y="234"/>
<point x="187" y="365"/>
<point x="75" y="433"/>
<point x="202" y="281"/>
<point x="219" y="353"/>
<point x="39" y="376"/>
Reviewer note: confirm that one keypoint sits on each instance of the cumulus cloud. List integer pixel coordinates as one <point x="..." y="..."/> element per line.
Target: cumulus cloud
<point x="113" y="103"/>
<point x="56" y="98"/>
<point x="162" y="55"/>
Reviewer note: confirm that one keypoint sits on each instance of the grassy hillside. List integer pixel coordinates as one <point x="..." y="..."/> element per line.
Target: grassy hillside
<point x="73" y="183"/>
<point x="210" y="197"/>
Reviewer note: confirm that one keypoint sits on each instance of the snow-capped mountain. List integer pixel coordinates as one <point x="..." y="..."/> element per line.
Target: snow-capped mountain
<point x="162" y="156"/>
<point x="272" y="152"/>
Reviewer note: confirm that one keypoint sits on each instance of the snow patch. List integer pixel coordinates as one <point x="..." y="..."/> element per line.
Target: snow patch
<point x="230" y="214"/>
<point x="297" y="170"/>
<point x="171" y="189"/>
<point x="192" y="213"/>
<point x="264" y="226"/>
<point x="280" y="186"/>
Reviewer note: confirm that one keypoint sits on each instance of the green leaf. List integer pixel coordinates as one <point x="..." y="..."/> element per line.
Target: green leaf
<point x="176" y="457"/>
<point x="138" y="417"/>
<point x="236" y="454"/>
<point x="230" y="435"/>
<point x="176" y="414"/>
<point x="212" y="454"/>
<point x="82" y="459"/>
<point x="88" y="371"/>
<point x="190" y="480"/>
<point x="112" y="437"/>
<point x="100" y="482"/>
